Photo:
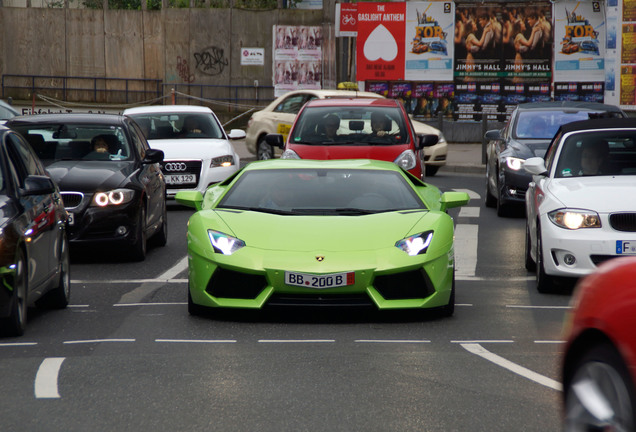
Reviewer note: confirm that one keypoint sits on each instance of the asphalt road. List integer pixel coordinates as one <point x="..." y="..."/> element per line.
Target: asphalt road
<point x="127" y="356"/>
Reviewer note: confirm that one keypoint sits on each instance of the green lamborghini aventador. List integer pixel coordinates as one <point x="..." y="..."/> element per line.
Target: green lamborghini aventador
<point x="311" y="233"/>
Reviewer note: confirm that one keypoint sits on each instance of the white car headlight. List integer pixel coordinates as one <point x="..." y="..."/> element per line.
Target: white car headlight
<point x="575" y="219"/>
<point x="406" y="160"/>
<point x="415" y="244"/>
<point x="289" y="154"/>
<point x="113" y="197"/>
<point x="514" y="163"/>
<point x="222" y="161"/>
<point x="223" y="243"/>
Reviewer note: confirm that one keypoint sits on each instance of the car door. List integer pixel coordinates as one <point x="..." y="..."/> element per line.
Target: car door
<point x="285" y="112"/>
<point x="150" y="177"/>
<point x="40" y="228"/>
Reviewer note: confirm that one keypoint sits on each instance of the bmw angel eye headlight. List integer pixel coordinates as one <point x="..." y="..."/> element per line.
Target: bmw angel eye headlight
<point x="222" y="161"/>
<point x="514" y="163"/>
<point x="113" y="197"/>
<point x="406" y="160"/>
<point x="416" y="244"/>
<point x="575" y="219"/>
<point x="223" y="243"/>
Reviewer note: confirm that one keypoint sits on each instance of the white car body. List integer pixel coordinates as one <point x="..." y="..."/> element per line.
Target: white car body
<point x="279" y="115"/>
<point x="190" y="163"/>
<point x="575" y="252"/>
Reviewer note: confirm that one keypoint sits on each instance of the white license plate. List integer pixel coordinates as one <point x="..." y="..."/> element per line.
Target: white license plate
<point x="71" y="218"/>
<point x="625" y="247"/>
<point x="178" y="179"/>
<point x="333" y="280"/>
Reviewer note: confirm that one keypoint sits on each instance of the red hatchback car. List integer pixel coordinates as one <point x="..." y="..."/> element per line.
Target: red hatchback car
<point x="357" y="128"/>
<point x="599" y="366"/>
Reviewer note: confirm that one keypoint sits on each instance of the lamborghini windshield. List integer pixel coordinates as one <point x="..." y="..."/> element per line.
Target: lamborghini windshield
<point x="322" y="192"/>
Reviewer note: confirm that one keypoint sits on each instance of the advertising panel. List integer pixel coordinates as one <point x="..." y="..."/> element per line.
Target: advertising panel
<point x="297" y="58"/>
<point x="429" y="48"/>
<point x="580" y="29"/>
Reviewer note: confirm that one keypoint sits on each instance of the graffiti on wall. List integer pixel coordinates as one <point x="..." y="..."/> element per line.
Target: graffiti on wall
<point x="183" y="69"/>
<point x="210" y="61"/>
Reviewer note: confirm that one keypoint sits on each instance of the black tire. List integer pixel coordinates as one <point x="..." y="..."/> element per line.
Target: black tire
<point x="195" y="309"/>
<point x="531" y="265"/>
<point x="264" y="151"/>
<point x="607" y="377"/>
<point x="161" y="237"/>
<point x="15" y="323"/>
<point x="449" y="309"/>
<point x="431" y="170"/>
<point x="545" y="283"/>
<point x="503" y="207"/>
<point x="60" y="296"/>
<point x="139" y="247"/>
<point x="490" y="200"/>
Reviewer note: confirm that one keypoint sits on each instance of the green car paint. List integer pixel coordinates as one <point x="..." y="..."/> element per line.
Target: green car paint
<point x="364" y="247"/>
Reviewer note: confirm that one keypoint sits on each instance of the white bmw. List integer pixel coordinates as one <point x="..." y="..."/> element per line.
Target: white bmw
<point x="197" y="150"/>
<point x="581" y="203"/>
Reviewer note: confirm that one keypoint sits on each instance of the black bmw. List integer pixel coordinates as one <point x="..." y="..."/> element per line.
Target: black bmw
<point x="527" y="134"/>
<point x="110" y="178"/>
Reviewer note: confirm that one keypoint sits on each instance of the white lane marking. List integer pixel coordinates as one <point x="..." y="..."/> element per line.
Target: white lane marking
<point x="296" y="340"/>
<point x="405" y="341"/>
<point x="176" y="269"/>
<point x="196" y="340"/>
<point x="46" y="378"/>
<point x="537" y="307"/>
<point x="471" y="193"/>
<point x="481" y="341"/>
<point x="465" y="249"/>
<point x="490" y="279"/>
<point x="549" y="342"/>
<point x="78" y="306"/>
<point x="87" y="341"/>
<point x="128" y="281"/>
<point x="477" y="349"/>
<point x="471" y="212"/>
<point x="17" y="344"/>
<point x="151" y="304"/>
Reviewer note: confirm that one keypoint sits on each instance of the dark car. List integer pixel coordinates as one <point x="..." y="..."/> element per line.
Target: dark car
<point x="115" y="196"/>
<point x="527" y="134"/>
<point x="34" y="254"/>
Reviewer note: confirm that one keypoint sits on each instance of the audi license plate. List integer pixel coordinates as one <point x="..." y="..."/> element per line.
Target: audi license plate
<point x="179" y="179"/>
<point x="625" y="247"/>
<point x="333" y="280"/>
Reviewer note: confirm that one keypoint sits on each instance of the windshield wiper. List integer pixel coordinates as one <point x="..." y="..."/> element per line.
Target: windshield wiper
<point x="260" y="209"/>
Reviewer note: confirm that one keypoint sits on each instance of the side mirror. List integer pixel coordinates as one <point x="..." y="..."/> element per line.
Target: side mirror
<point x="190" y="198"/>
<point x="275" y="140"/>
<point x="153" y="156"/>
<point x="426" y="140"/>
<point x="453" y="199"/>
<point x="493" y="135"/>
<point x="38" y="185"/>
<point x="535" y="166"/>
<point x="236" y="134"/>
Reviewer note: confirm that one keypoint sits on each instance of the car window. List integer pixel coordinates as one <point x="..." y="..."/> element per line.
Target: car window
<point x="7" y="112"/>
<point x="53" y="142"/>
<point x="292" y="104"/>
<point x="161" y="126"/>
<point x="368" y="124"/>
<point x="608" y="152"/>
<point x="543" y="124"/>
<point x="322" y="191"/>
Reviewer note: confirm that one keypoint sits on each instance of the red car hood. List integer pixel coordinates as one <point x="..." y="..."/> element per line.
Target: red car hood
<point x="324" y="152"/>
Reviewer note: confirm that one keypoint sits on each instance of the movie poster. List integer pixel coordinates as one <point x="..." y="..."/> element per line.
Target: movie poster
<point x="429" y="43"/>
<point x="580" y="29"/>
<point x="503" y="56"/>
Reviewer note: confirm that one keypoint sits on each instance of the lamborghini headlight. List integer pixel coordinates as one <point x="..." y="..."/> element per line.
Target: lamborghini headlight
<point x="416" y="244"/>
<point x="406" y="160"/>
<point x="222" y="161"/>
<point x="223" y="243"/>
<point x="575" y="219"/>
<point x="113" y="197"/>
